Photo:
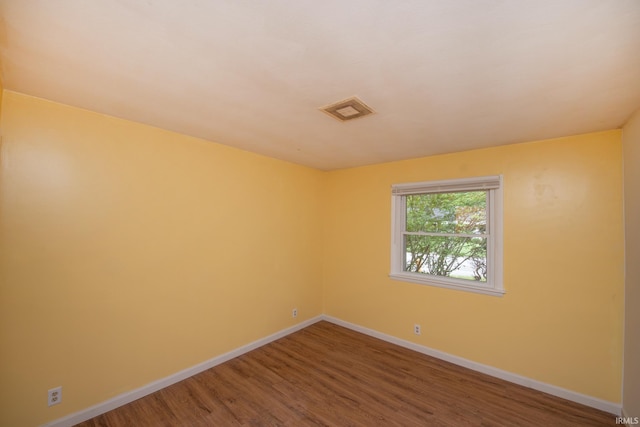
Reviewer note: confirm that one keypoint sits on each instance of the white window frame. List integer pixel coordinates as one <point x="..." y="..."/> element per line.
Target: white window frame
<point x="491" y="184"/>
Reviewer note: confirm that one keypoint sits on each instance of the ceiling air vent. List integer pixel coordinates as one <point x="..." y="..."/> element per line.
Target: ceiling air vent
<point x="348" y="109"/>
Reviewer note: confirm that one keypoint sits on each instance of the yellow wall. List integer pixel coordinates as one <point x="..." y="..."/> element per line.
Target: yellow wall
<point x="631" y="149"/>
<point x="560" y="321"/>
<point x="129" y="253"/>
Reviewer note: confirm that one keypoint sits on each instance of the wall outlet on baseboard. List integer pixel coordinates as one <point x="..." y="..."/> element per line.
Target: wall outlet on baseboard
<point x="294" y="312"/>
<point x="416" y="329"/>
<point x="55" y="396"/>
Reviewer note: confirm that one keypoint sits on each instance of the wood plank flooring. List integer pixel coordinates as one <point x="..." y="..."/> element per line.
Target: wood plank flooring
<point x="326" y="375"/>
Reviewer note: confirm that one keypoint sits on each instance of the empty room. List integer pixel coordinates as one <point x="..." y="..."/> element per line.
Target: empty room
<point x="354" y="213"/>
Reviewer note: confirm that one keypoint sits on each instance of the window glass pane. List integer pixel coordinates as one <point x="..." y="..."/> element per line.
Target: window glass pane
<point x="453" y="213"/>
<point x="458" y="257"/>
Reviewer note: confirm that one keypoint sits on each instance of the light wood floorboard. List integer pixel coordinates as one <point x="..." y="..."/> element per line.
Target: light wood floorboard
<point x="327" y="375"/>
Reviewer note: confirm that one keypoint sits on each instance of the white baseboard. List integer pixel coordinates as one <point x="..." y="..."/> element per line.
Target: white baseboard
<point x="136" y="394"/>
<point x="603" y="405"/>
<point x="128" y="397"/>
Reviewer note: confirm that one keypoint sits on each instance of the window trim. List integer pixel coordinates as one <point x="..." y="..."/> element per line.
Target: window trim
<point x="492" y="184"/>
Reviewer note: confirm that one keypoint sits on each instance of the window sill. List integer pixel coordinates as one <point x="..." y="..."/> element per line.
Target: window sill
<point x="459" y="285"/>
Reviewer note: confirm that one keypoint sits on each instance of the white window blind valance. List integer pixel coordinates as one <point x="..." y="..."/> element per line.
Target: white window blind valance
<point x="447" y="186"/>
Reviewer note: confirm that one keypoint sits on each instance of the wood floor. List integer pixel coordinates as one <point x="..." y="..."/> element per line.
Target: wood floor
<point x="326" y="375"/>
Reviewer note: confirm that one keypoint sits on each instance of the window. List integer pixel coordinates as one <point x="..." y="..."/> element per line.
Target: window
<point x="449" y="234"/>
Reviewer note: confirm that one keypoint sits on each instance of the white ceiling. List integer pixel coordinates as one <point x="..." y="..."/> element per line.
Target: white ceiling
<point x="442" y="75"/>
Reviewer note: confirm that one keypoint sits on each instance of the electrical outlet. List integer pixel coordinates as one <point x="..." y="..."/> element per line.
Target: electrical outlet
<point x="294" y="312"/>
<point x="416" y="329"/>
<point x="55" y="396"/>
